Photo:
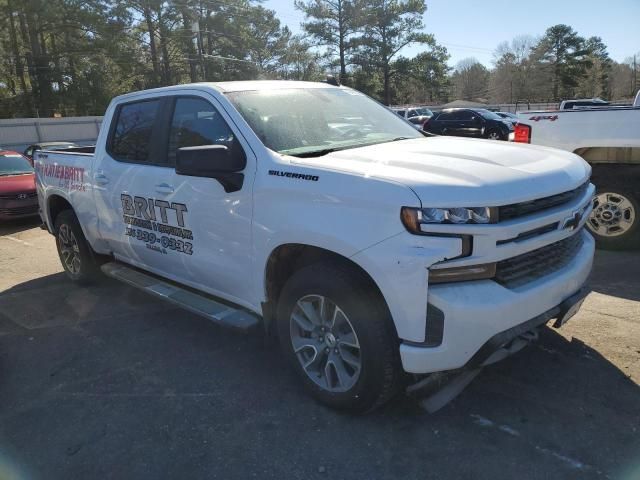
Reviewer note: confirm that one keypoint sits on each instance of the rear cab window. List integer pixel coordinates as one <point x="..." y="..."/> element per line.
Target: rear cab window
<point x="132" y="131"/>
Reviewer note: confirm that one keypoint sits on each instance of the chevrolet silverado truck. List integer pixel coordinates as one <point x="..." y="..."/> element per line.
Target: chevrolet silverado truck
<point x="378" y="255"/>
<point x="608" y="137"/>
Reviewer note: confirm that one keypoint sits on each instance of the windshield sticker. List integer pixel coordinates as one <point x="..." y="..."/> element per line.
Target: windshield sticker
<point x="158" y="224"/>
<point x="70" y="178"/>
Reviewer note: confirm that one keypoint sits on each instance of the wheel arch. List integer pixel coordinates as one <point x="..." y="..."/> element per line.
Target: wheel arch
<point x="286" y="259"/>
<point x="55" y="205"/>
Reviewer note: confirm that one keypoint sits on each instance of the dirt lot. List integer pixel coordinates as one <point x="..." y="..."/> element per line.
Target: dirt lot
<point x="105" y="382"/>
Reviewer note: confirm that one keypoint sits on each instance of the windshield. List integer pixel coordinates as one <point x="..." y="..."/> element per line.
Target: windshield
<point x="14" y="164"/>
<point x="425" y="112"/>
<point x="318" y="120"/>
<point x="489" y="115"/>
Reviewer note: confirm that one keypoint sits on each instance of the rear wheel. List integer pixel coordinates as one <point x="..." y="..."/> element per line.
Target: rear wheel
<point x="615" y="220"/>
<point x="77" y="259"/>
<point x="336" y="332"/>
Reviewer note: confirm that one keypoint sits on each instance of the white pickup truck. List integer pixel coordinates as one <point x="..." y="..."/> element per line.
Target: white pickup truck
<point x="608" y="137"/>
<point x="309" y="209"/>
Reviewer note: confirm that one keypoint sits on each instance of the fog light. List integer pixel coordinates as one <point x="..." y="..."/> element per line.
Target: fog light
<point x="462" y="274"/>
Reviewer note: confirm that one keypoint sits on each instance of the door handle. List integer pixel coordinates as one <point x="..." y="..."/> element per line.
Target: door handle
<point x="101" y="178"/>
<point x="164" y="188"/>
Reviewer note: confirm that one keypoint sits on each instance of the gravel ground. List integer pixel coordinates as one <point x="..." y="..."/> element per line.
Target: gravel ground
<point x="106" y="382"/>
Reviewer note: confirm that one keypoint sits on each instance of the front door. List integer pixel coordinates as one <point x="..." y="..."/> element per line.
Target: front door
<point x="219" y="223"/>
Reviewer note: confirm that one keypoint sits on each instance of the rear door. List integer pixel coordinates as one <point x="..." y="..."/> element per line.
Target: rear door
<point x="438" y="123"/>
<point x="468" y="123"/>
<point x="133" y="185"/>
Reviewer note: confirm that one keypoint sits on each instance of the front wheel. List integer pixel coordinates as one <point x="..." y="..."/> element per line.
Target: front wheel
<point x="615" y="220"/>
<point x="494" y="135"/>
<point x="336" y="332"/>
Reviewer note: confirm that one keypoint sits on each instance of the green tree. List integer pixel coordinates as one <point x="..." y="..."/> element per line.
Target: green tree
<point x="421" y="79"/>
<point x="596" y="80"/>
<point x="390" y="26"/>
<point x="332" y="24"/>
<point x="562" y="53"/>
<point x="470" y="80"/>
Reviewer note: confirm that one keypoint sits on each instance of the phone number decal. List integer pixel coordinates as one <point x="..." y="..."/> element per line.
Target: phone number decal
<point x="152" y="240"/>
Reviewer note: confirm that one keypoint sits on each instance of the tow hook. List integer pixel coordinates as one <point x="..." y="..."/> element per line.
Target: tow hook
<point x="436" y="390"/>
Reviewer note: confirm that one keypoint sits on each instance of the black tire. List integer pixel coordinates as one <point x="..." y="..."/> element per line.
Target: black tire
<point x="617" y="237"/>
<point x="69" y="236"/>
<point x="380" y="374"/>
<point x="496" y="132"/>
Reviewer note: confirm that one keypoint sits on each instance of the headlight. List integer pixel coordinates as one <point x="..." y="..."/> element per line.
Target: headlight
<point x="413" y="218"/>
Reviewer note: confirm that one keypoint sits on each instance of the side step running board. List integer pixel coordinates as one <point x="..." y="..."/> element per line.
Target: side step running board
<point x="196" y="303"/>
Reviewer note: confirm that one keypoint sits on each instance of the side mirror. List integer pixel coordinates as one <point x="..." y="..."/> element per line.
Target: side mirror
<point x="213" y="161"/>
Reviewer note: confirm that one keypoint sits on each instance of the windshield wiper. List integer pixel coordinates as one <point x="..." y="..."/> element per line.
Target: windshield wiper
<point x="315" y="153"/>
<point x="325" y="151"/>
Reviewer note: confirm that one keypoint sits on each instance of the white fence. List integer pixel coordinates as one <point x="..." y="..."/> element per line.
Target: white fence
<point x="19" y="133"/>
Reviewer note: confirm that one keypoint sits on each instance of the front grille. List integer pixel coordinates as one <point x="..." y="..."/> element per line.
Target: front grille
<point x="20" y="210"/>
<point x="18" y="196"/>
<point x="516" y="210"/>
<point x="517" y="271"/>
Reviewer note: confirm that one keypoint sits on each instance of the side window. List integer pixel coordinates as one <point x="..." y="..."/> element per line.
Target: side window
<point x="401" y="113"/>
<point x="131" y="137"/>
<point x="196" y="122"/>
<point x="443" y="117"/>
<point x="465" y="115"/>
<point x="412" y="113"/>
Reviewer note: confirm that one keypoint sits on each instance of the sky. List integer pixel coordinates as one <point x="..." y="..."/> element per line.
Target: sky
<point x="472" y="28"/>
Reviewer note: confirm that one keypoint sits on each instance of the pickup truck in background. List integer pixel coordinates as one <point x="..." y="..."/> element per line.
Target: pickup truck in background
<point x="369" y="248"/>
<point x="608" y="138"/>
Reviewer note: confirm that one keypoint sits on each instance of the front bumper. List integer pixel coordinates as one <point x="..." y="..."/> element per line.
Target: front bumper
<point x="477" y="311"/>
<point x="15" y="209"/>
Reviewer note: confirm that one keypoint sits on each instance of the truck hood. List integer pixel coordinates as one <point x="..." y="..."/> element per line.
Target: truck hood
<point x="452" y="172"/>
<point x="11" y="184"/>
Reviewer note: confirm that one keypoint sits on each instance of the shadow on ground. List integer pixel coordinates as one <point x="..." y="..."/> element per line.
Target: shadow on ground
<point x="16" y="226"/>
<point x="617" y="274"/>
<point x="106" y="382"/>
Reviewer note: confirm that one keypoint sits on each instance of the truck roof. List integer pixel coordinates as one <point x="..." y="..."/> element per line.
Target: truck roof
<point x="238" y="86"/>
<point x="266" y="85"/>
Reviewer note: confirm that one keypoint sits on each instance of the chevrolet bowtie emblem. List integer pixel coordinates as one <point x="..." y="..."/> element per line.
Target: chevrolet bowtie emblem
<point x="573" y="222"/>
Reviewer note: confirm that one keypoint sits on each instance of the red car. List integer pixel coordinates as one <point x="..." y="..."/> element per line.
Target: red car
<point x="18" y="196"/>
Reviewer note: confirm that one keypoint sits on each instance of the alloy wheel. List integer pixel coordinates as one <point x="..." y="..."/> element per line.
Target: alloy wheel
<point x="325" y="343"/>
<point x="69" y="250"/>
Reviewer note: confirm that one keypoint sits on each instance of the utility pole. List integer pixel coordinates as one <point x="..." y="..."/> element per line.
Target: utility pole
<point x="635" y="76"/>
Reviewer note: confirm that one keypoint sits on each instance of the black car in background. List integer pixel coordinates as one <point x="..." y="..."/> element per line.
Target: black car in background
<point x="470" y="122"/>
<point x="511" y="117"/>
